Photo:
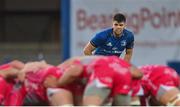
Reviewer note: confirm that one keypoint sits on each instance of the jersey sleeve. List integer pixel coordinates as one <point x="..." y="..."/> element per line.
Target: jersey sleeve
<point x="4" y="66"/>
<point x="130" y="43"/>
<point x="99" y="39"/>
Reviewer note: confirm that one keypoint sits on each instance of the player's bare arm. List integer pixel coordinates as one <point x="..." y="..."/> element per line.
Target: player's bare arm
<point x="8" y="73"/>
<point x="31" y="66"/>
<point x="128" y="55"/>
<point x="71" y="74"/>
<point x="89" y="48"/>
<point x="68" y="62"/>
<point x="17" y="64"/>
<point x="136" y="73"/>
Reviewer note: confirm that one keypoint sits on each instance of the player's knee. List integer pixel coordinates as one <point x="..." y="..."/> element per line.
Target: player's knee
<point x="66" y="105"/>
<point x="135" y="103"/>
<point x="174" y="101"/>
<point x="121" y="100"/>
<point x="94" y="95"/>
<point x="92" y="89"/>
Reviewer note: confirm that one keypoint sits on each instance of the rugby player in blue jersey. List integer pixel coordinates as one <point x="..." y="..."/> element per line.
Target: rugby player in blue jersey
<point x="112" y="41"/>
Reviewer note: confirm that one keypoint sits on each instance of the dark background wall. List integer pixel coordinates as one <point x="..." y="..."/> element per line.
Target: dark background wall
<point x="30" y="30"/>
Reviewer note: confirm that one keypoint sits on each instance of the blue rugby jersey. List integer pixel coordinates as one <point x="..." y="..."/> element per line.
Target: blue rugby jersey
<point x="107" y="44"/>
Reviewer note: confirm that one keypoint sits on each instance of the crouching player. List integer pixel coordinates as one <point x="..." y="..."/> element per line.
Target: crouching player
<point x="9" y="86"/>
<point x="107" y="76"/>
<point x="161" y="83"/>
<point x="33" y="76"/>
<point x="26" y="88"/>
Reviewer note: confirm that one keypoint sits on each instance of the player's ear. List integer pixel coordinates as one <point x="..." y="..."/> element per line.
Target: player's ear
<point x="125" y="24"/>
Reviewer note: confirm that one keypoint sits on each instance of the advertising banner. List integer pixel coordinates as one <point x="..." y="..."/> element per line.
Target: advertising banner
<point x="155" y="23"/>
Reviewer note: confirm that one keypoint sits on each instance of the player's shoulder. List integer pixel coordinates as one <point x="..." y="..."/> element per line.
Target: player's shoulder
<point x="4" y="66"/>
<point x="128" y="32"/>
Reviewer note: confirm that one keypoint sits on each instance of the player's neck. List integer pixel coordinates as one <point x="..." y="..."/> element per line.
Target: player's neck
<point x="117" y="35"/>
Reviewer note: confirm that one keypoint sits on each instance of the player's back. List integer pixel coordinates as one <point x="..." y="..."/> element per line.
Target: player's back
<point x="90" y="62"/>
<point x="157" y="70"/>
<point x="158" y="74"/>
<point x="34" y="80"/>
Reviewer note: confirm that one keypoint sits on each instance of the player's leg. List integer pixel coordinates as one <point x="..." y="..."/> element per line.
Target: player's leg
<point x="95" y="95"/>
<point x="78" y="95"/>
<point x="152" y="101"/>
<point x="137" y="91"/>
<point x="60" y="97"/>
<point x="78" y="100"/>
<point x="121" y="90"/>
<point x="121" y="100"/>
<point x="135" y="101"/>
<point x="169" y="95"/>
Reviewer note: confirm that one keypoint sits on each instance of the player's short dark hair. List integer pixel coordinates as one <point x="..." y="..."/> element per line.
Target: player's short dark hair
<point x="119" y="17"/>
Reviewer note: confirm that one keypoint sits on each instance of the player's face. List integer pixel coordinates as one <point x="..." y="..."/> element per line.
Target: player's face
<point x="118" y="27"/>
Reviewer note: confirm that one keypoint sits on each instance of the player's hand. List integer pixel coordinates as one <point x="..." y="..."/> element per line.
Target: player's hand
<point x="21" y="76"/>
<point x="34" y="66"/>
<point x="50" y="82"/>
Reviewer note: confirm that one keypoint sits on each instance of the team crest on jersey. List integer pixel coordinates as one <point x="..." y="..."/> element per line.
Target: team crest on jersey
<point x="109" y="44"/>
<point x="123" y="43"/>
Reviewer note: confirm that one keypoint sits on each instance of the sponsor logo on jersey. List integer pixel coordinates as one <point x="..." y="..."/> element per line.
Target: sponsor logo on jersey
<point x="123" y="43"/>
<point x="109" y="44"/>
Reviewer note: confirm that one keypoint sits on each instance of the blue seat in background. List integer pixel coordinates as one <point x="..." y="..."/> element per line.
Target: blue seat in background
<point x="175" y="65"/>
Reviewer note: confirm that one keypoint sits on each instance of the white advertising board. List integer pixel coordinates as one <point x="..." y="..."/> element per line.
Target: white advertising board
<point x="155" y="23"/>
